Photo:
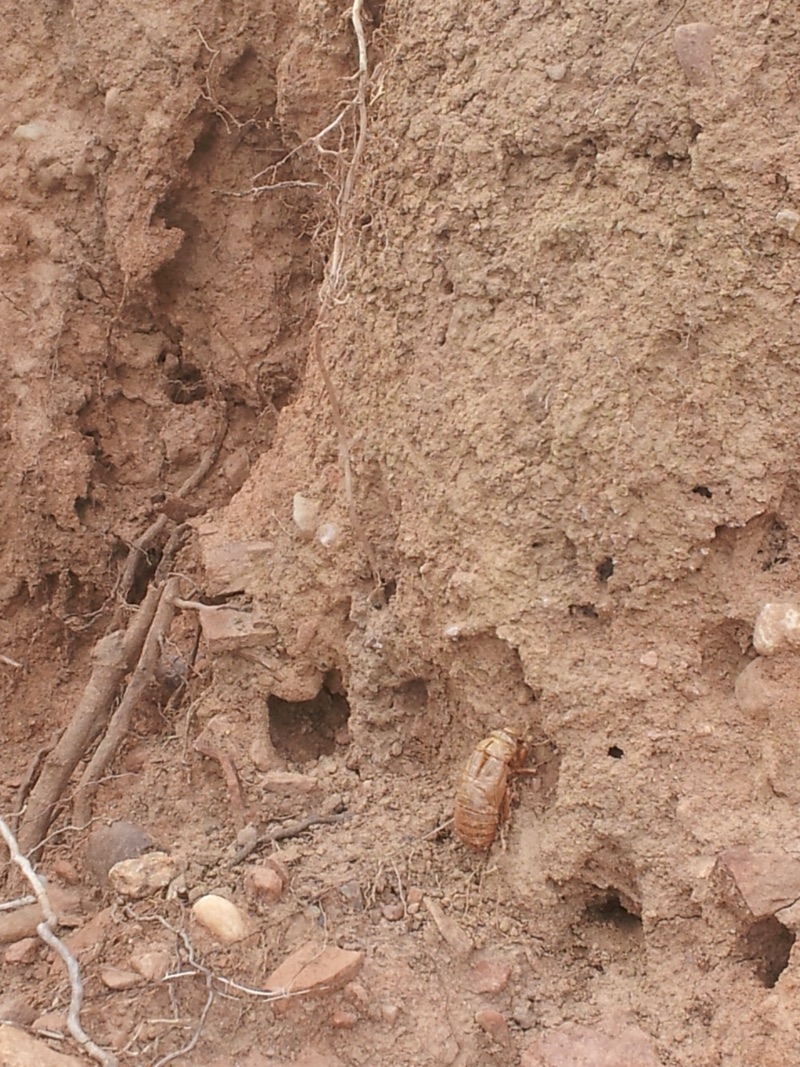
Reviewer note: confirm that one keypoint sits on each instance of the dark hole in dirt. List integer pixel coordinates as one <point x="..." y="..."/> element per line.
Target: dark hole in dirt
<point x="306" y="729"/>
<point x="82" y="506"/>
<point x="615" y="752"/>
<point x="389" y="589"/>
<point x="605" y="568"/>
<point x="374" y="9"/>
<point x="588" y="611"/>
<point x="411" y="696"/>
<point x="773" y="549"/>
<point x="187" y="387"/>
<point x="703" y="490"/>
<point x="610" y="911"/>
<point x="767" y="944"/>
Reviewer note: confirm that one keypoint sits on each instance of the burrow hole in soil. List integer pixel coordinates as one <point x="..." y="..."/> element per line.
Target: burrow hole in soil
<point x="609" y="910"/>
<point x="766" y="946"/>
<point x="302" y="731"/>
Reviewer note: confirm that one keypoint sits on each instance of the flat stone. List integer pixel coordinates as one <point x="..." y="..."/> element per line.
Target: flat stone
<point x="23" y="951"/>
<point x="18" y="1049"/>
<point x="143" y="876"/>
<point x="22" y="922"/>
<point x="766" y="881"/>
<point x="572" y="1045"/>
<point x="315" y="970"/>
<point x="288" y="783"/>
<point x="229" y="629"/>
<point x="118" y="978"/>
<point x="694" y="48"/>
<point x="152" y="965"/>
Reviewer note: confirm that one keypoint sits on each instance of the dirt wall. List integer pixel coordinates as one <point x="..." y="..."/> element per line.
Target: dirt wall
<point x="566" y="360"/>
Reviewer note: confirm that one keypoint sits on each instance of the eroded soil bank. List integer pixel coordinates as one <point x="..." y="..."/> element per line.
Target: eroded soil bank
<point x="561" y="488"/>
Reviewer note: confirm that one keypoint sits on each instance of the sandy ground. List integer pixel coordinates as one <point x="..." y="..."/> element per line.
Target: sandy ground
<point x="548" y="485"/>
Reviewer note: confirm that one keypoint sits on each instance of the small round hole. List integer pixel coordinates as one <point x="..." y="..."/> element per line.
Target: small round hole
<point x="615" y="752"/>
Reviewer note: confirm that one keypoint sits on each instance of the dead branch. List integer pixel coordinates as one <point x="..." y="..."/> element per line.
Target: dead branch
<point x="292" y="829"/>
<point x="113" y="657"/>
<point x="121" y="719"/>
<point x="46" y="932"/>
<point x="7" y="661"/>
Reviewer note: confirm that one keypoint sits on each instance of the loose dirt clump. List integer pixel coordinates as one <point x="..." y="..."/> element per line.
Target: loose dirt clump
<point x="377" y="377"/>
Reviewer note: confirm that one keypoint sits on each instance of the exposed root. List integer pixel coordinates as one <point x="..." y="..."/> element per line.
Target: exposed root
<point x="119" y="723"/>
<point x="292" y="829"/>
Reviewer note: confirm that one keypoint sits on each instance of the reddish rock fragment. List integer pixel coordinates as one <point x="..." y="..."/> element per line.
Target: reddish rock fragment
<point x="489" y="976"/>
<point x="765" y="881"/>
<point x="315" y="970"/>
<point x="18" y="1049"/>
<point x="494" y="1024"/>
<point x="457" y="938"/>
<point x="117" y="978"/>
<point x="343" y="1020"/>
<point x="23" y="951"/>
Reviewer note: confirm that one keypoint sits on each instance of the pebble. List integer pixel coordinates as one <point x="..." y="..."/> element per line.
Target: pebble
<point x="556" y="72"/>
<point x="152" y="965"/>
<point x="343" y="1020"/>
<point x="789" y="221"/>
<point x="118" y="978"/>
<point x="22" y="922"/>
<point x="109" y="845"/>
<point x="351" y="891"/>
<point x="390" y="1013"/>
<point x="288" y="783"/>
<point x="143" y="876"/>
<point x="356" y="993"/>
<point x="393" y="912"/>
<point x="414" y="895"/>
<point x="777" y="625"/>
<point x="23" y="951"/>
<point x="265" y="883"/>
<point x="494" y="1024"/>
<point x="693" y="44"/>
<point x="755" y="692"/>
<point x="66" y="871"/>
<point x="53" y="1022"/>
<point x="315" y="970"/>
<point x="489" y="976"/>
<point x="223" y="920"/>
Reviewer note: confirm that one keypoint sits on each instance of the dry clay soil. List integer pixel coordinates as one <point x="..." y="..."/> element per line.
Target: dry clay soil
<point x="563" y="483"/>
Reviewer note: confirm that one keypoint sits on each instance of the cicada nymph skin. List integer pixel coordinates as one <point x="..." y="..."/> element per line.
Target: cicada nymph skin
<point x="482" y="797"/>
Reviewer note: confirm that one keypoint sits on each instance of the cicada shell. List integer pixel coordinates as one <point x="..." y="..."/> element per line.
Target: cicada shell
<point x="482" y="797"/>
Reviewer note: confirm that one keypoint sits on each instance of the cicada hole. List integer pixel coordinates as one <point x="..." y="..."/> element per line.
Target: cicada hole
<point x="302" y="731"/>
<point x="766" y="946"/>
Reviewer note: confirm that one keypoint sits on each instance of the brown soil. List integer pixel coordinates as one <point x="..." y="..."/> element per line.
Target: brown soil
<point x="565" y="350"/>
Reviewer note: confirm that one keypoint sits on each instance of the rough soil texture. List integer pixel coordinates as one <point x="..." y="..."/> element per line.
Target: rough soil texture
<point x="566" y="360"/>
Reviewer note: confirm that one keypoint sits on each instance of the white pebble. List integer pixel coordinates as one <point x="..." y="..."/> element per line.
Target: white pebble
<point x="328" y="534"/>
<point x="305" y="513"/>
<point x="789" y="221"/>
<point x="221" y="918"/>
<point x="777" y="625"/>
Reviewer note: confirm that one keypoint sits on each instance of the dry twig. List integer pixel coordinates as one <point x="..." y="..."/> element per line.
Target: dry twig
<point x="292" y="829"/>
<point x="45" y="930"/>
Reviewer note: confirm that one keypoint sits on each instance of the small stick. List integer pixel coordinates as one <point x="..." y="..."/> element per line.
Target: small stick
<point x="292" y="829"/>
<point x="46" y="933"/>
<point x="9" y="662"/>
